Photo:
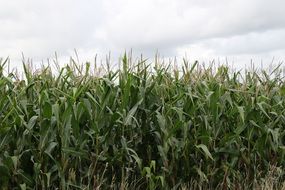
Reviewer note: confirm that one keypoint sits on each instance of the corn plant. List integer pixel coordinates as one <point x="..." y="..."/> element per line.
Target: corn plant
<point x="142" y="126"/>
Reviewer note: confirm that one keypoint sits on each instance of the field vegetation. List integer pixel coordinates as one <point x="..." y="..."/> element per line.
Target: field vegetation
<point x="141" y="126"/>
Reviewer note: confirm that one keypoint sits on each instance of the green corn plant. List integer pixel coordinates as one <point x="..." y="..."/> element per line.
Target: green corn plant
<point x="143" y="125"/>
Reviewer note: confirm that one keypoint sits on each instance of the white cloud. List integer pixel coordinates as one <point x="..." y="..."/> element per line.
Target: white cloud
<point x="232" y="28"/>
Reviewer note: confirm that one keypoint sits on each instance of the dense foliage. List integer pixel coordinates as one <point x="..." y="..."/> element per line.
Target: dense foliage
<point x="140" y="127"/>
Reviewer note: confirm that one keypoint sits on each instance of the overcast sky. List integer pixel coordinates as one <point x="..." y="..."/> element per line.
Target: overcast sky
<point x="238" y="30"/>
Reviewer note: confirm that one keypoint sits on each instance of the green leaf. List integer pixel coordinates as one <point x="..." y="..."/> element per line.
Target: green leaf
<point x="47" y="110"/>
<point x="32" y="122"/>
<point x="131" y="113"/>
<point x="50" y="147"/>
<point x="240" y="129"/>
<point x="260" y="105"/>
<point x="23" y="186"/>
<point x="241" y="112"/>
<point x="205" y="150"/>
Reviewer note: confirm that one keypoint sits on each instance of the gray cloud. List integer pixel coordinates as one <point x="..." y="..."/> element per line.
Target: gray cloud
<point x="230" y="28"/>
<point x="250" y="43"/>
<point x="39" y="29"/>
<point x="147" y="24"/>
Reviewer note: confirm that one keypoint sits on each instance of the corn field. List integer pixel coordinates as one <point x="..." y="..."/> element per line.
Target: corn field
<point x="141" y="126"/>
